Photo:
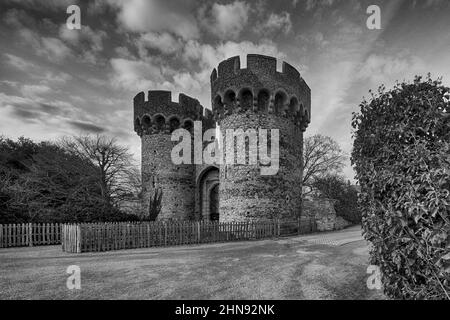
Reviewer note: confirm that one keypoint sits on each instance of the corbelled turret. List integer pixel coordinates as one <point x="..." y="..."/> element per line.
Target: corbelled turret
<point x="250" y="99"/>
<point x="160" y="114"/>
<point x="260" y="88"/>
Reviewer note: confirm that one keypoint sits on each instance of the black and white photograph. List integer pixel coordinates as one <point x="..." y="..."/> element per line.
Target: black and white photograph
<point x="225" y="157"/>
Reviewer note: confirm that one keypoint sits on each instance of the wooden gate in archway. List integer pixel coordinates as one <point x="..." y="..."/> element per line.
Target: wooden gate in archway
<point x="214" y="203"/>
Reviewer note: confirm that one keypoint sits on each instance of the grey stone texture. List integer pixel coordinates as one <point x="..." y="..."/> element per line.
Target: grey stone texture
<point x="259" y="97"/>
<point x="154" y="121"/>
<point x="255" y="97"/>
<point x="322" y="211"/>
<point x="245" y="194"/>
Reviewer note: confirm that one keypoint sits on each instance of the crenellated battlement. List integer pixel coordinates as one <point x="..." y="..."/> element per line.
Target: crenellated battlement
<point x="159" y="114"/>
<point x="260" y="88"/>
<point x="256" y="63"/>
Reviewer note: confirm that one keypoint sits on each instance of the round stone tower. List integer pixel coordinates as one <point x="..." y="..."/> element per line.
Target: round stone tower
<point x="154" y="121"/>
<point x="253" y="98"/>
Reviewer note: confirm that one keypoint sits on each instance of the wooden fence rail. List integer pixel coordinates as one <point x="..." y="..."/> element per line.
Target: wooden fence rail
<point x="88" y="237"/>
<point x="29" y="234"/>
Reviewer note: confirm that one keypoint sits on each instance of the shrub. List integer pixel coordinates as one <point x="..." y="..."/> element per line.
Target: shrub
<point x="335" y="187"/>
<point x="401" y="157"/>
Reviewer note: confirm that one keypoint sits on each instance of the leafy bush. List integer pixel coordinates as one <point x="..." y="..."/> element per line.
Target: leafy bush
<point x="335" y="187"/>
<point x="401" y="157"/>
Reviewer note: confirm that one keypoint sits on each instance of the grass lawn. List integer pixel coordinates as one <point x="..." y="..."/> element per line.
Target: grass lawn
<point x="289" y="268"/>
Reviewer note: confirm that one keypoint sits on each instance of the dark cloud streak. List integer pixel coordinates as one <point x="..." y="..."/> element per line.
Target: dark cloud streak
<point x="84" y="126"/>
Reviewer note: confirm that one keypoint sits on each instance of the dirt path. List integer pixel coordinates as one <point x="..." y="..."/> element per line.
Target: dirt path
<point x="323" y="266"/>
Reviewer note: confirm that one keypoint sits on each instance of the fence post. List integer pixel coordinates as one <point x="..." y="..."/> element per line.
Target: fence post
<point x="198" y="232"/>
<point x="30" y="234"/>
<point x="62" y="238"/>
<point x="165" y="234"/>
<point x="298" y="225"/>
<point x="278" y="228"/>
<point x="78" y="237"/>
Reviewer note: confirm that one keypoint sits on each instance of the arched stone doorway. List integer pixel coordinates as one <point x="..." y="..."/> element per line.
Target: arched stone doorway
<point x="208" y="188"/>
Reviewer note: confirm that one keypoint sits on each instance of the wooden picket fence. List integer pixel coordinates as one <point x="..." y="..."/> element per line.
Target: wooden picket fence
<point x="29" y="234"/>
<point x="89" y="237"/>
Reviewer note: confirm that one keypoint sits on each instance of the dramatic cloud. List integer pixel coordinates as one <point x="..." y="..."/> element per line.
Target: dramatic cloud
<point x="275" y="23"/>
<point x="428" y="3"/>
<point x="41" y="109"/>
<point x="313" y="4"/>
<point x="135" y="75"/>
<point x="163" y="42"/>
<point x="18" y="62"/>
<point x="379" y="68"/>
<point x="158" y="16"/>
<point x="32" y="91"/>
<point x="53" y="48"/>
<point x="226" y="21"/>
<point x="87" y="127"/>
<point x="85" y="37"/>
<point x="209" y="56"/>
<point x="34" y="71"/>
<point x="86" y="42"/>
<point x="44" y="6"/>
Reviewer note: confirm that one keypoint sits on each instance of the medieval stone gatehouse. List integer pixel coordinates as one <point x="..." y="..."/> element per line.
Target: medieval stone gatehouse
<point x="255" y="97"/>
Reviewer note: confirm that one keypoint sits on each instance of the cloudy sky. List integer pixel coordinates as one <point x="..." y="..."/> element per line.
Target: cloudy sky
<point x="55" y="81"/>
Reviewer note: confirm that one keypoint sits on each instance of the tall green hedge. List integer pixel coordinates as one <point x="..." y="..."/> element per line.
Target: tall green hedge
<point x="401" y="154"/>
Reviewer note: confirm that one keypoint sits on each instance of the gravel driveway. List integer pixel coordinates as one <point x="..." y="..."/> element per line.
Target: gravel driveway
<point x="321" y="266"/>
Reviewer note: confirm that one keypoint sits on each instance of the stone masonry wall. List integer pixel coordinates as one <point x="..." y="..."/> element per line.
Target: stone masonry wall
<point x="176" y="181"/>
<point x="322" y="210"/>
<point x="260" y="97"/>
<point x="245" y="194"/>
<point x="155" y="118"/>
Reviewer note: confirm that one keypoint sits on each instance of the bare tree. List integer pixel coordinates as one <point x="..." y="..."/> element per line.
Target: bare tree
<point x="321" y="156"/>
<point x="116" y="174"/>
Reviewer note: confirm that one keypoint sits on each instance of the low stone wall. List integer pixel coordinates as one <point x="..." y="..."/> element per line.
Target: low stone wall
<point x="322" y="211"/>
<point x="341" y="223"/>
